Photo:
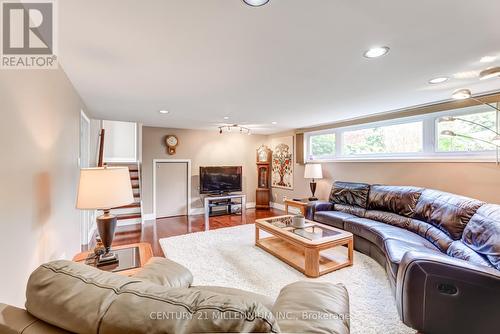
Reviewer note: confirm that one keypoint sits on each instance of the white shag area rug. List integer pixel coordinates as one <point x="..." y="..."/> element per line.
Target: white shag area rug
<point x="228" y="257"/>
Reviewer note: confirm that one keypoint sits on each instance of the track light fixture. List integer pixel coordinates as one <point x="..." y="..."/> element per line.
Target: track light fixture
<point x="229" y="128"/>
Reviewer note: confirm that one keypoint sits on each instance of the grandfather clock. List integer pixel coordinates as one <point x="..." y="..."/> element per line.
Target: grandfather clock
<point x="263" y="193"/>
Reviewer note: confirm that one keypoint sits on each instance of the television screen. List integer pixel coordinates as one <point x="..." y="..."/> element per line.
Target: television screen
<point x="219" y="180"/>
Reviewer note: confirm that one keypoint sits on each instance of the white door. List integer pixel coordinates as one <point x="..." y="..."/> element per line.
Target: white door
<point x="171" y="189"/>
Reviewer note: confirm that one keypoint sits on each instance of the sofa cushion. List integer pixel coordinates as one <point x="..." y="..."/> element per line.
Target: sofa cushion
<point x="162" y="271"/>
<point x="350" y="193"/>
<point x="482" y="233"/>
<point x="388" y="218"/>
<point x="353" y="210"/>
<point x="448" y="212"/>
<point x="460" y="251"/>
<point x="313" y="307"/>
<point x="332" y="218"/>
<point x="396" y="249"/>
<point x="398" y="200"/>
<point x="264" y="300"/>
<point x="378" y="232"/>
<point x="82" y="299"/>
<point x="437" y="237"/>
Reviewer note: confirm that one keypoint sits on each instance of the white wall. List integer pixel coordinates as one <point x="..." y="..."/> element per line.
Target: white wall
<point x="204" y="148"/>
<point x="39" y="148"/>
<point x="120" y="141"/>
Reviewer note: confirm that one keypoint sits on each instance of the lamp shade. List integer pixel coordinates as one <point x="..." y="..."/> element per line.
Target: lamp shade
<point x="313" y="171"/>
<point x="104" y="188"/>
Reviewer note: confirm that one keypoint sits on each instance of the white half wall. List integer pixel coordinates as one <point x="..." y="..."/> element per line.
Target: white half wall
<point x="39" y="135"/>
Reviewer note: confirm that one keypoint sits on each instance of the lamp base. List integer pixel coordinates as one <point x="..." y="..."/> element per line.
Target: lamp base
<point x="106" y="225"/>
<point x="313" y="190"/>
<point x="107" y="259"/>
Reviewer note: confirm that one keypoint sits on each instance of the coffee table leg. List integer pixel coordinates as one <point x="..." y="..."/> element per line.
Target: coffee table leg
<point x="257" y="234"/>
<point x="350" y="251"/>
<point x="311" y="262"/>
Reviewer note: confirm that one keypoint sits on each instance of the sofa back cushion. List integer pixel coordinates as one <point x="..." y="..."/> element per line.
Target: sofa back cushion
<point x="460" y="251"/>
<point x="82" y="299"/>
<point x="482" y="233"/>
<point x="448" y="212"/>
<point x="350" y="193"/>
<point x="399" y="200"/>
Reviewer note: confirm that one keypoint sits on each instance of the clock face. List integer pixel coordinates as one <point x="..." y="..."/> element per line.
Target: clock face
<point x="172" y="141"/>
<point x="262" y="156"/>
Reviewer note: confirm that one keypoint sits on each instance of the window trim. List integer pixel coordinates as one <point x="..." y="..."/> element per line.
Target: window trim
<point x="430" y="137"/>
<point x="319" y="133"/>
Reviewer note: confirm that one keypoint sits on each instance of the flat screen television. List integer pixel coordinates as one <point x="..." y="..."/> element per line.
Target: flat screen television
<point x="220" y="180"/>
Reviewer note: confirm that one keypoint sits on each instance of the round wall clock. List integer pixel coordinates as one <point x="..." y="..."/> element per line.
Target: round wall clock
<point x="172" y="143"/>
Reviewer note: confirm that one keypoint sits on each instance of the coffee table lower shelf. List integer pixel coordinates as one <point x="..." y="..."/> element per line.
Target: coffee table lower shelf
<point x="313" y="260"/>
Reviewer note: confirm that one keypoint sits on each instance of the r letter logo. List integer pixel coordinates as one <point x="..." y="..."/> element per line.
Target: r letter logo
<point x="28" y="35"/>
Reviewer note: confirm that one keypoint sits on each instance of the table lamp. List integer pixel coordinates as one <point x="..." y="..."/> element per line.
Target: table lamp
<point x="104" y="188"/>
<point x="313" y="171"/>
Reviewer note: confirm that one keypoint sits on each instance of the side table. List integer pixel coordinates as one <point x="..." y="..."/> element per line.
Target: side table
<point x="131" y="258"/>
<point x="301" y="204"/>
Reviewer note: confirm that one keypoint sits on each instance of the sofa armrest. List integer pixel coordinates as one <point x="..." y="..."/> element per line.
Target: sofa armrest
<point x="14" y="320"/>
<point x="165" y="272"/>
<point x="313" y="307"/>
<point x="316" y="206"/>
<point x="433" y="286"/>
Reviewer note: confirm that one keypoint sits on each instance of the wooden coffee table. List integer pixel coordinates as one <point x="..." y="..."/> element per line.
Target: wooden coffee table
<point x="307" y="250"/>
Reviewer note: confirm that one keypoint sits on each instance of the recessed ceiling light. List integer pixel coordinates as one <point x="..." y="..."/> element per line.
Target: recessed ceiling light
<point x="274" y="123"/>
<point x="489" y="73"/>
<point x="226" y="117"/>
<point x="255" y="3"/>
<point x="164" y="112"/>
<point x="488" y="59"/>
<point x="438" y="80"/>
<point x="376" y="52"/>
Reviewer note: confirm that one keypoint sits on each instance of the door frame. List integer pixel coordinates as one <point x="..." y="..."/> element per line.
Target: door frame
<point x="188" y="199"/>
<point x="87" y="217"/>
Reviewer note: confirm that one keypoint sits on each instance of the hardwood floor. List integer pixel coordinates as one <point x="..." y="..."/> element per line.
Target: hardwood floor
<point x="153" y="231"/>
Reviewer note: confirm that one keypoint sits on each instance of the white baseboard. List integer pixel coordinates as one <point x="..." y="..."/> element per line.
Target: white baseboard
<point x="281" y="207"/>
<point x="148" y="216"/>
<point x="128" y="222"/>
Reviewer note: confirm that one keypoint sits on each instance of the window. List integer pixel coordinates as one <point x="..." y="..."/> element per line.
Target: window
<point x="460" y="144"/>
<point x="391" y="139"/>
<point x="415" y="137"/>
<point x="322" y="146"/>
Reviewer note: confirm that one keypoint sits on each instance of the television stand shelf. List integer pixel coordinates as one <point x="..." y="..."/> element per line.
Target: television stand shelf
<point x="228" y="201"/>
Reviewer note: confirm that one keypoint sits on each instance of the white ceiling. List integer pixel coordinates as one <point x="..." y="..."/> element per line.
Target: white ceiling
<point x="296" y="62"/>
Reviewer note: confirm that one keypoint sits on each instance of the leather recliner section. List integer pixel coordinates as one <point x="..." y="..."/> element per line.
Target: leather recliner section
<point x="448" y="212"/>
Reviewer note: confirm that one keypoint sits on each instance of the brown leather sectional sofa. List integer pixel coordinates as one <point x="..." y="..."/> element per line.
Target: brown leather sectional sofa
<point x="441" y="251"/>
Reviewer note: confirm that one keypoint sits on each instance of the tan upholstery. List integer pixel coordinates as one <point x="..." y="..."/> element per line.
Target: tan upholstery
<point x="162" y="271"/>
<point x="313" y="307"/>
<point x="14" y="320"/>
<point x="68" y="297"/>
<point x="264" y="300"/>
<point x="82" y="299"/>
